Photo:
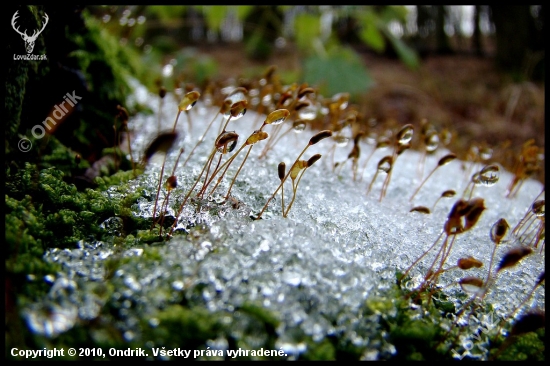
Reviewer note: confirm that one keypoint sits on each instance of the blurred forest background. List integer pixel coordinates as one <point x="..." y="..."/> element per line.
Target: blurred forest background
<point x="475" y="70"/>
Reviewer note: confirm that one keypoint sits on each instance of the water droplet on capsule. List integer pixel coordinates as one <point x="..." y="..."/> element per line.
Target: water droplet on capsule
<point x="489" y="175"/>
<point x="342" y="100"/>
<point x="226" y="142"/>
<point x="432" y="142"/>
<point x="421" y="209"/>
<point x="405" y="135"/>
<point x="446" y="137"/>
<point x="538" y="208"/>
<point x="486" y="153"/>
<point x="449" y="193"/>
<point x="277" y="117"/>
<point x="308" y="113"/>
<point x="341" y="140"/>
<point x="371" y="138"/>
<point x="188" y="101"/>
<point x="385" y="164"/>
<point x="471" y="284"/>
<point x="446" y="159"/>
<point x="266" y="100"/>
<point x="298" y="126"/>
<point x="236" y="111"/>
<point x="498" y="231"/>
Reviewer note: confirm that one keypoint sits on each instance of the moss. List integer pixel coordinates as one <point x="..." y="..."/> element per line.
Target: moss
<point x="182" y="327"/>
<point x="59" y="215"/>
<point x="525" y="347"/>
<point x="316" y="351"/>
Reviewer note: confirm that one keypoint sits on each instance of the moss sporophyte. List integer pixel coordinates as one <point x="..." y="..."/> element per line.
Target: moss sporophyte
<point x="155" y="233"/>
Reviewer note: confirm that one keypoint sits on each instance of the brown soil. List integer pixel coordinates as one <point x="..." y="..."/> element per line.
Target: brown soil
<point x="463" y="93"/>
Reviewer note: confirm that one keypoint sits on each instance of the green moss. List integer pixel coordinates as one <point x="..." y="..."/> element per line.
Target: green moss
<point x="181" y="327"/>
<point x="59" y="215"/>
<point x="525" y="347"/>
<point x="318" y="351"/>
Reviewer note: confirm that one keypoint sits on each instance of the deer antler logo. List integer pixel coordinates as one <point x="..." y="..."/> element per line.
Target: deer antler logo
<point x="29" y="40"/>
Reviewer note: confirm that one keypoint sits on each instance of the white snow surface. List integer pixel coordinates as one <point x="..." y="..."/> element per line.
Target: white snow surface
<point x="315" y="268"/>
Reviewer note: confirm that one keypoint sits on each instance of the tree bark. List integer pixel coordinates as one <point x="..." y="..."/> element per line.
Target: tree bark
<point x="514" y="35"/>
<point x="476" y="36"/>
<point x="443" y="46"/>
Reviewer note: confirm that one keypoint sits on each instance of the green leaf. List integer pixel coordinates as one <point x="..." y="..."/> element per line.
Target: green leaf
<point x="307" y="28"/>
<point x="243" y="11"/>
<point x="372" y="37"/>
<point x="164" y="13"/>
<point x="395" y="12"/>
<point x="341" y="71"/>
<point x="405" y="53"/>
<point x="214" y="15"/>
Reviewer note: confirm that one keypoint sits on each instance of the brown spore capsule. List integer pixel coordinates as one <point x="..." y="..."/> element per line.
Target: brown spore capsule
<point x="313" y="159"/>
<point x="320" y="136"/>
<point x="162" y="92"/>
<point x="512" y="257"/>
<point x="171" y="182"/>
<point x="161" y="143"/>
<point x="281" y="170"/>
<point x="421" y="209"/>
<point x="469" y="262"/>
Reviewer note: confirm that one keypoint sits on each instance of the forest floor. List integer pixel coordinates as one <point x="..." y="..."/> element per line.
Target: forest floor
<point x="461" y="92"/>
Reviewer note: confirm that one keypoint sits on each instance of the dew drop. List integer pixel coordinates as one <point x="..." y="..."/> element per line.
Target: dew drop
<point x="256" y="136"/>
<point x="489" y="175"/>
<point x="432" y="142"/>
<point x="371" y="138"/>
<point x="188" y="101"/>
<point x="266" y="100"/>
<point x="446" y="159"/>
<point x="486" y="153"/>
<point x="449" y="193"/>
<point x="341" y="140"/>
<point x="421" y="209"/>
<point x="385" y="164"/>
<point x="471" y="284"/>
<point x="239" y="114"/>
<point x="292" y="278"/>
<point x="298" y="126"/>
<point x="538" y="208"/>
<point x="342" y="100"/>
<point x="498" y="230"/>
<point x="405" y="135"/>
<point x="308" y="113"/>
<point x="446" y="137"/>
<point x="277" y="117"/>
<point x="383" y="142"/>
<point x="218" y="198"/>
<point x="237" y="95"/>
<point x="264" y="245"/>
<point x="236" y="111"/>
<point x="129" y="335"/>
<point x="476" y="179"/>
<point x="178" y="285"/>
<point x="226" y="142"/>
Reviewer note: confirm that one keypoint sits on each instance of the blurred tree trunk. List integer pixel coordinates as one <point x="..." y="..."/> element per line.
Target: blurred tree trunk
<point x="476" y="36"/>
<point x="420" y="39"/>
<point x="443" y="46"/>
<point x="516" y="37"/>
